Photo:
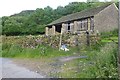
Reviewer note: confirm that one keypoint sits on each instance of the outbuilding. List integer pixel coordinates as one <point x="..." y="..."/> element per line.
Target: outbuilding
<point x="100" y="19"/>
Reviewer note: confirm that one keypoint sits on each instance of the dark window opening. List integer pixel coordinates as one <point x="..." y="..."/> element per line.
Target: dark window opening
<point x="50" y="27"/>
<point x="69" y="27"/>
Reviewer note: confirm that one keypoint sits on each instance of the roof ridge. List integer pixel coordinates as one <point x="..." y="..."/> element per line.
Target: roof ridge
<point x="106" y="5"/>
<point x="82" y="14"/>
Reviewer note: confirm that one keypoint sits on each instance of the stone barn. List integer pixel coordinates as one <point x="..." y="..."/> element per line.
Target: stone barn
<point x="100" y="19"/>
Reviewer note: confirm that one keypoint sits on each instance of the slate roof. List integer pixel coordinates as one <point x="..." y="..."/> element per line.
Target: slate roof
<point x="79" y="15"/>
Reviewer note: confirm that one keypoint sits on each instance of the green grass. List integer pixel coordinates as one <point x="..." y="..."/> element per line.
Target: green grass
<point x="99" y="64"/>
<point x="111" y="36"/>
<point x="105" y="61"/>
<point x="14" y="50"/>
<point x="20" y="46"/>
<point x="113" y="33"/>
<point x="110" y="39"/>
<point x="105" y="40"/>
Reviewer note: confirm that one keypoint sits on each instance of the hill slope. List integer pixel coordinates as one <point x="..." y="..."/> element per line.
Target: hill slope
<point x="34" y="21"/>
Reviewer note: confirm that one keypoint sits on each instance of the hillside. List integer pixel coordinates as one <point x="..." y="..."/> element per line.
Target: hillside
<point x="34" y="21"/>
<point x="23" y="13"/>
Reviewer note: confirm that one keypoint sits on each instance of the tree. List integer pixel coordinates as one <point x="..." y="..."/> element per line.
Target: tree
<point x="11" y="27"/>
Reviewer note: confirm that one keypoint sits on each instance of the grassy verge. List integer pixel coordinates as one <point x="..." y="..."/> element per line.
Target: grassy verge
<point x="42" y="51"/>
<point x="99" y="64"/>
<point x="13" y="50"/>
<point x="32" y="47"/>
<point x="111" y="36"/>
<point x="110" y="39"/>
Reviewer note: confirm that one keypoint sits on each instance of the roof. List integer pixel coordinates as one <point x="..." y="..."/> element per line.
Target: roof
<point x="79" y="15"/>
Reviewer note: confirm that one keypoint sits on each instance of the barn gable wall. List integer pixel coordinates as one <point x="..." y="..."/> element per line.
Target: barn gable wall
<point x="107" y="19"/>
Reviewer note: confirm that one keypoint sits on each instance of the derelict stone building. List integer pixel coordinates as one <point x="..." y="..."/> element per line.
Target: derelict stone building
<point x="99" y="19"/>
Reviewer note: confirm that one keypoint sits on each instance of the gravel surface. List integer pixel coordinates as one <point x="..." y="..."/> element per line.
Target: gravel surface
<point x="11" y="70"/>
<point x="46" y="67"/>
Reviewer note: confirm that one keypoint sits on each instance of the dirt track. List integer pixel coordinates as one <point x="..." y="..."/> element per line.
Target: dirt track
<point x="11" y="70"/>
<point x="46" y="67"/>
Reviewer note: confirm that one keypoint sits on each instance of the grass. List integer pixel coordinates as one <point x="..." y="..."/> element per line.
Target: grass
<point x="14" y="50"/>
<point x="105" y="61"/>
<point x="109" y="36"/>
<point x="102" y="64"/>
<point x="28" y="47"/>
<point x="110" y="39"/>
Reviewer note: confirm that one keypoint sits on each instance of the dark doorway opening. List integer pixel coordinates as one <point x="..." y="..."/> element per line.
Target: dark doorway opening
<point x="58" y="28"/>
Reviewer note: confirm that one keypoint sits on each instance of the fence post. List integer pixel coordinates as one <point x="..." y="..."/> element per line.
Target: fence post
<point x="88" y="38"/>
<point x="61" y="38"/>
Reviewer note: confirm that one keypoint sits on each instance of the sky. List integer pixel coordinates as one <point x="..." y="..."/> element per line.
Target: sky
<point x="10" y="7"/>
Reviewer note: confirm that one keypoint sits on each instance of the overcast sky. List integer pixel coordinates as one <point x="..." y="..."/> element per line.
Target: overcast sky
<point x="9" y="7"/>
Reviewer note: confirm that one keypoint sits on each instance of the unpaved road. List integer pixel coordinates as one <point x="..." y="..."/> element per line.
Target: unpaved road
<point x="63" y="59"/>
<point x="34" y="68"/>
<point x="48" y="67"/>
<point x="11" y="70"/>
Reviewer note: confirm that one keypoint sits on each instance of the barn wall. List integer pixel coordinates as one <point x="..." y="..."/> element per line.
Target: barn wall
<point x="107" y="19"/>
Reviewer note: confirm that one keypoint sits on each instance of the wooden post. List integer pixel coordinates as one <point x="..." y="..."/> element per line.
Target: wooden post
<point x="88" y="38"/>
<point x="61" y="38"/>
